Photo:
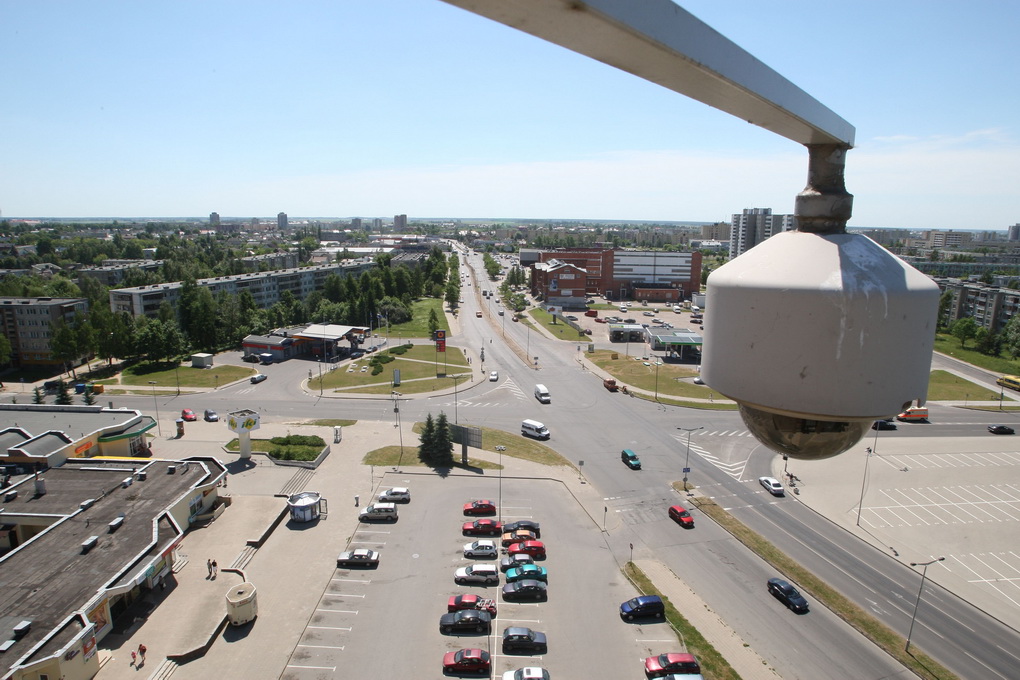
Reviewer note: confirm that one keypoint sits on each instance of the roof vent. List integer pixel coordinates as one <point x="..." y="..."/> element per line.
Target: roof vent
<point x="87" y="503"/>
<point x="171" y="469"/>
<point x="21" y="630"/>
<point x="10" y="495"/>
<point x="89" y="543"/>
<point x="127" y="482"/>
<point x="6" y="645"/>
<point x="115" y="524"/>
<point x="141" y="475"/>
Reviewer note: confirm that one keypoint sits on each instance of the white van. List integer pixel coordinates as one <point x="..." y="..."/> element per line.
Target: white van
<point x="533" y="428"/>
<point x="542" y="394"/>
<point x="386" y="512"/>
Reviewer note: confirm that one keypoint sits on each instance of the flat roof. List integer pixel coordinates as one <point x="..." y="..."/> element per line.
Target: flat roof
<point x="50" y="578"/>
<point x="50" y="427"/>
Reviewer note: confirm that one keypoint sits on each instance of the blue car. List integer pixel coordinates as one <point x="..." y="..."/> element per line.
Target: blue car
<point x="529" y="571"/>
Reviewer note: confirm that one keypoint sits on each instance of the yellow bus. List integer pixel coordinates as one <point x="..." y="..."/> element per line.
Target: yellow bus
<point x="1010" y="381"/>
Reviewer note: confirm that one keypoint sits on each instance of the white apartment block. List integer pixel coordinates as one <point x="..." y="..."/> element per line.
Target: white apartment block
<point x="753" y="226"/>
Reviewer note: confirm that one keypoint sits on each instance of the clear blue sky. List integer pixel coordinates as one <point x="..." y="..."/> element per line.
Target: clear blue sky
<point x="378" y="107"/>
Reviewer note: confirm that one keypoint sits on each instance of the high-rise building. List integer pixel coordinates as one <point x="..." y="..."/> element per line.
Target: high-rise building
<point x="1014" y="232"/>
<point x="356" y="223"/>
<point x="753" y="226"/>
<point x="281" y="221"/>
<point x="400" y="223"/>
<point x="214" y="219"/>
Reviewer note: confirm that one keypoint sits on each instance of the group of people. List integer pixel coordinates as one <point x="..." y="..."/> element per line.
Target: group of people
<point x="213" y="568"/>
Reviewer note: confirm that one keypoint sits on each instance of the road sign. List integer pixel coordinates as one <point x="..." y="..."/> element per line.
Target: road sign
<point x="686" y="470"/>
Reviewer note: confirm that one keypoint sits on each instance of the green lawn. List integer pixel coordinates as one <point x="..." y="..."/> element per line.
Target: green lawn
<point x="166" y="375"/>
<point x="559" y="329"/>
<point x="947" y="344"/>
<point x="674" y="379"/>
<point x="418" y="326"/>
<point x="945" y="386"/>
<point x="418" y="363"/>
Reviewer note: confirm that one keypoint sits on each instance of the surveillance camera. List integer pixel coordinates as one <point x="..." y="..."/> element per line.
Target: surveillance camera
<point x="817" y="335"/>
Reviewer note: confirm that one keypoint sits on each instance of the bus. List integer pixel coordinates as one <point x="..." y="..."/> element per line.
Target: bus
<point x="1010" y="381"/>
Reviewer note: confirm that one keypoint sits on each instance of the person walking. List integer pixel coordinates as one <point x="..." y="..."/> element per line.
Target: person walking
<point x="357" y="500"/>
<point x="215" y="568"/>
<point x="208" y="566"/>
<point x="134" y="657"/>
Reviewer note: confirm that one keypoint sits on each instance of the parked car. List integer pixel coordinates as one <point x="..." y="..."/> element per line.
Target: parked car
<point x="362" y="557"/>
<point x="470" y="601"/>
<point x="527" y="571"/>
<point x="510" y="561"/>
<point x="250" y="358"/>
<point x="188" y="414"/>
<point x="528" y="524"/>
<point x="518" y="638"/>
<point x="258" y="377"/>
<point x="648" y="313"/>
<point x="397" y="494"/>
<point x="883" y="425"/>
<point x="788" y="595"/>
<point x="511" y="537"/>
<point x="465" y="620"/>
<point x="534" y="548"/>
<point x="570" y="317"/>
<point x="484" y="549"/>
<point x="466" y="661"/>
<point x="1000" y="429"/>
<point x="772" y="485"/>
<point x="679" y="515"/>
<point x="486" y="574"/>
<point x="532" y="673"/>
<point x="211" y="416"/>
<point x="529" y="589"/>
<point x="482" y="527"/>
<point x="642" y="606"/>
<point x="664" y="664"/>
<point x="481" y="507"/>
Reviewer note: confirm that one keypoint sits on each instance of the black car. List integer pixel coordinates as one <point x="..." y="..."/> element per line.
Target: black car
<point x="526" y="524"/>
<point x="517" y="639"/>
<point x="788" y="595"/>
<point x="250" y="358"/>
<point x="883" y="425"/>
<point x="643" y="605"/>
<point x="528" y="589"/>
<point x="466" y="620"/>
<point x="1000" y="429"/>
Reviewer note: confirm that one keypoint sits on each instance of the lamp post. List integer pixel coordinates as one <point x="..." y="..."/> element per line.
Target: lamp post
<point x="924" y="573"/>
<point x="860" y="506"/>
<point x="687" y="460"/>
<point x="177" y="374"/>
<point x="656" y="378"/>
<point x="456" y="379"/>
<point x="159" y="427"/>
<point x="217" y="377"/>
<point x="320" y="377"/>
<point x="400" y="433"/>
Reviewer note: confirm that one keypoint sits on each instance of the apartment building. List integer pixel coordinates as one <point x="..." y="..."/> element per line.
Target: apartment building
<point x="28" y="324"/>
<point x="266" y="287"/>
<point x="754" y="225"/>
<point x="990" y="306"/>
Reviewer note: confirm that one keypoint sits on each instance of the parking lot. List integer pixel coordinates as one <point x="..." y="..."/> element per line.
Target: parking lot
<point x="402" y="600"/>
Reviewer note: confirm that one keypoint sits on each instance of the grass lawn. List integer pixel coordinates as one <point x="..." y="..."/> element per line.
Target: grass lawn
<point x="418" y="326"/>
<point x="945" y="386"/>
<point x="559" y="329"/>
<point x="166" y="375"/>
<point x="418" y="368"/>
<point x="673" y="378"/>
<point x="947" y="344"/>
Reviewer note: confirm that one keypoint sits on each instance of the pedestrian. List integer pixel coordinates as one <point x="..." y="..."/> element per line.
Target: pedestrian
<point x="214" y="569"/>
<point x="134" y="657"/>
<point x="208" y="565"/>
<point x="141" y="651"/>
<point x="357" y="500"/>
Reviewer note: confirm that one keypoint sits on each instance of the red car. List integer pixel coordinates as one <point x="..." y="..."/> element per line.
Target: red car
<point x="482" y="527"/>
<point x="458" y="602"/>
<point x="480" y="508"/>
<point x="534" y="548"/>
<point x="188" y="414"/>
<point x="466" y="661"/>
<point x="664" y="664"/>
<point x="681" y="516"/>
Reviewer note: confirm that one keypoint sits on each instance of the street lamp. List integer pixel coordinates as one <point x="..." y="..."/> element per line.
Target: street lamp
<point x="177" y="374"/>
<point x="159" y="427"/>
<point x="924" y="573"/>
<point x="687" y="460"/>
<point x="864" y="481"/>
<point x="400" y="433"/>
<point x="455" y="378"/>
<point x="320" y="377"/>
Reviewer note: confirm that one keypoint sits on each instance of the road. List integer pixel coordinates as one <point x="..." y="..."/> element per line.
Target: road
<point x="592" y="425"/>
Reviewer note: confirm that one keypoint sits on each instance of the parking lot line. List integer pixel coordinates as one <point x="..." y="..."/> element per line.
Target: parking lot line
<point x="329" y="628"/>
<point x="337" y="611"/>
<point x="314" y="668"/>
<point x="350" y="580"/>
<point x="343" y="595"/>
<point x="321" y="646"/>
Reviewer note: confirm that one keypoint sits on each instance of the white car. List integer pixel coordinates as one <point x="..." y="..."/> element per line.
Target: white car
<point x="477" y="573"/>
<point x="494" y="376"/>
<point x="648" y="313"/>
<point x="397" y="494"/>
<point x="772" y="485"/>
<point x="484" y="549"/>
<point x="530" y="673"/>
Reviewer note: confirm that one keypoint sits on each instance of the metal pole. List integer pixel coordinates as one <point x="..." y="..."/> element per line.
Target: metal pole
<point x="656" y="379"/>
<point x="320" y="377"/>
<point x="456" y="378"/>
<point x="400" y="433"/>
<point x="687" y="460"/>
<point x="924" y="574"/>
<point x="860" y="506"/>
<point x="177" y="374"/>
<point x="159" y="427"/>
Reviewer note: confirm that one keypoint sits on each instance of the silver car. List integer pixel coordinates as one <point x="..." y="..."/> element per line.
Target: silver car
<point x="772" y="485"/>
<point x="483" y="549"/>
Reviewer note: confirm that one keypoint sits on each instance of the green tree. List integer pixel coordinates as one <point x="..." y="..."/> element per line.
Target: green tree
<point x="443" y="443"/>
<point x="63" y="394"/>
<point x="88" y="398"/>
<point x="37" y="396"/>
<point x="1011" y="336"/>
<point x="427" y="439"/>
<point x="945" y="305"/>
<point x="433" y="321"/>
<point x="964" y="329"/>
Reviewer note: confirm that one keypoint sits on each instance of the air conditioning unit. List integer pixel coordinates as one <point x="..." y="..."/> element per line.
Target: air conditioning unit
<point x="126" y="482"/>
<point x="89" y="543"/>
<point x="21" y="630"/>
<point x="141" y="475"/>
<point x="10" y="495"/>
<point x="6" y="645"/>
<point x="115" y="524"/>
<point x="171" y="469"/>
<point x="87" y="503"/>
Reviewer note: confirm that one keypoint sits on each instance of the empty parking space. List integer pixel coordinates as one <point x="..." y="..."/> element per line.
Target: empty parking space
<point x="954" y="460"/>
<point x="996" y="573"/>
<point x="931" y="506"/>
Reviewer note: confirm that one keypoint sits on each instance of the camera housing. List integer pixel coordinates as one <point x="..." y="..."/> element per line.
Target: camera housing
<point x="817" y="335"/>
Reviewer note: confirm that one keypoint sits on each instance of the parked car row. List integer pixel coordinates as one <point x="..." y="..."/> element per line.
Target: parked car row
<point x="472" y="614"/>
<point x="384" y="509"/>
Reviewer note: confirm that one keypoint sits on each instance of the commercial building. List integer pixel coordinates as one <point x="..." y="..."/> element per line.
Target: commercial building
<point x="82" y="538"/>
<point x="28" y="324"/>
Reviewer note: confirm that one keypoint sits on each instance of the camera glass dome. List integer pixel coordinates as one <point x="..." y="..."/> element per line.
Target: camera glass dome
<point x="803" y="438"/>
